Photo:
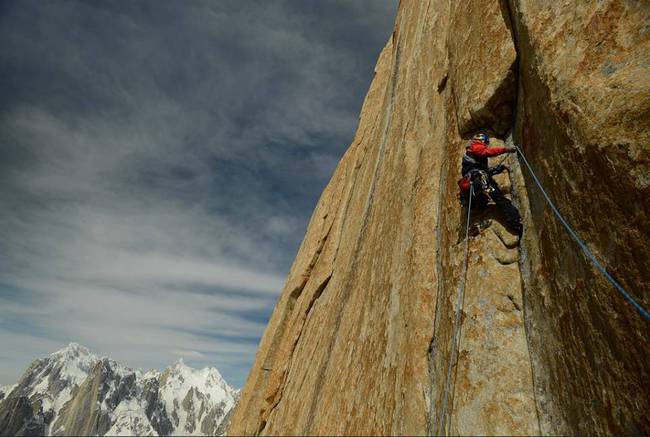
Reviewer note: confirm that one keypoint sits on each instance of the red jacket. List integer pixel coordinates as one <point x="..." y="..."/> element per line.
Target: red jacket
<point x="481" y="150"/>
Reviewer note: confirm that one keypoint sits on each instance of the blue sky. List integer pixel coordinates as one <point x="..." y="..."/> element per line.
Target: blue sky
<point x="159" y="162"/>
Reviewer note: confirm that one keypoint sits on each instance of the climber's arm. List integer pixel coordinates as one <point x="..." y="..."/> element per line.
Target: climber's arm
<point x="482" y="151"/>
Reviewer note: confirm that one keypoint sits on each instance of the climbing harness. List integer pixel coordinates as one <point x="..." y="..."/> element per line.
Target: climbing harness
<point x="461" y="293"/>
<point x="476" y="177"/>
<point x="582" y="245"/>
<point x="484" y="180"/>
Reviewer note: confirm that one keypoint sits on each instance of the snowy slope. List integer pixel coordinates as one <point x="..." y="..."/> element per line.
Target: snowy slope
<point x="74" y="392"/>
<point x="129" y="419"/>
<point x="196" y="400"/>
<point x="5" y="390"/>
<point x="50" y="380"/>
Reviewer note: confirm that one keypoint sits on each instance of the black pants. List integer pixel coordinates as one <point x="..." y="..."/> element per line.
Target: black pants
<point x="509" y="211"/>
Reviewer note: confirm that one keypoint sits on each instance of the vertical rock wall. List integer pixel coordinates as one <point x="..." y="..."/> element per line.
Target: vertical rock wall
<point x="482" y="59"/>
<point x="583" y="119"/>
<point x="359" y="342"/>
<point x="346" y="348"/>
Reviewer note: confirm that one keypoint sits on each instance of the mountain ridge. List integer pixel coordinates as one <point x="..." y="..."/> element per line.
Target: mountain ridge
<point x="73" y="391"/>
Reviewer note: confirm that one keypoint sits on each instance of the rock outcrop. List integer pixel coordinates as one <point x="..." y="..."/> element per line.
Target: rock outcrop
<point x="359" y="342"/>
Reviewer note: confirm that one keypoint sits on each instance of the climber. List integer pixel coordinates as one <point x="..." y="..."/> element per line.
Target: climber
<point x="475" y="171"/>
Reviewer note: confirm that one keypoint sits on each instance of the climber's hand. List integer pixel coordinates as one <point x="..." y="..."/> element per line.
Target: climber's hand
<point x="512" y="150"/>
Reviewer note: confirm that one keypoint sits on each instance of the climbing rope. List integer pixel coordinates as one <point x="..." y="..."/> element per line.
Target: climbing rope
<point x="461" y="293"/>
<point x="582" y="245"/>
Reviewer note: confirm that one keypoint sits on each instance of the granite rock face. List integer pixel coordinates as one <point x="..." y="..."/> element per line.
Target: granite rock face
<point x="583" y="120"/>
<point x="359" y="342"/>
<point x="482" y="62"/>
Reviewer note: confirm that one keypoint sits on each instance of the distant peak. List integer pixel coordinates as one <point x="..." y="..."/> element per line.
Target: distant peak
<point x="77" y="347"/>
<point x="205" y="372"/>
<point x="180" y="366"/>
<point x="73" y="349"/>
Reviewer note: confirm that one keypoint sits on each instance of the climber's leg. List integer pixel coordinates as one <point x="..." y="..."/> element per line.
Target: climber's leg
<point x="509" y="211"/>
<point x="480" y="200"/>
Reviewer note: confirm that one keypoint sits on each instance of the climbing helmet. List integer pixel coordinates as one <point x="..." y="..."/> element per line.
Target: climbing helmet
<point x="482" y="137"/>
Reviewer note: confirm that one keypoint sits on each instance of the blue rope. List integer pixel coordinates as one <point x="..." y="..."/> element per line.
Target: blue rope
<point x="459" y="307"/>
<point x="582" y="245"/>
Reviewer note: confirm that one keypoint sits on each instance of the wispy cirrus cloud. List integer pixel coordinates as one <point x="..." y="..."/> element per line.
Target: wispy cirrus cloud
<point x="159" y="163"/>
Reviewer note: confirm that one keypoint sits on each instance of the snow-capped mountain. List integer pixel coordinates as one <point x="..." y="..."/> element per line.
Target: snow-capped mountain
<point x="74" y="392"/>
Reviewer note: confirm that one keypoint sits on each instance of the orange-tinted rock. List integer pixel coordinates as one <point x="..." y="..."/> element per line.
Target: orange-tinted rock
<point x="360" y="340"/>
<point x="482" y="61"/>
<point x="584" y="123"/>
